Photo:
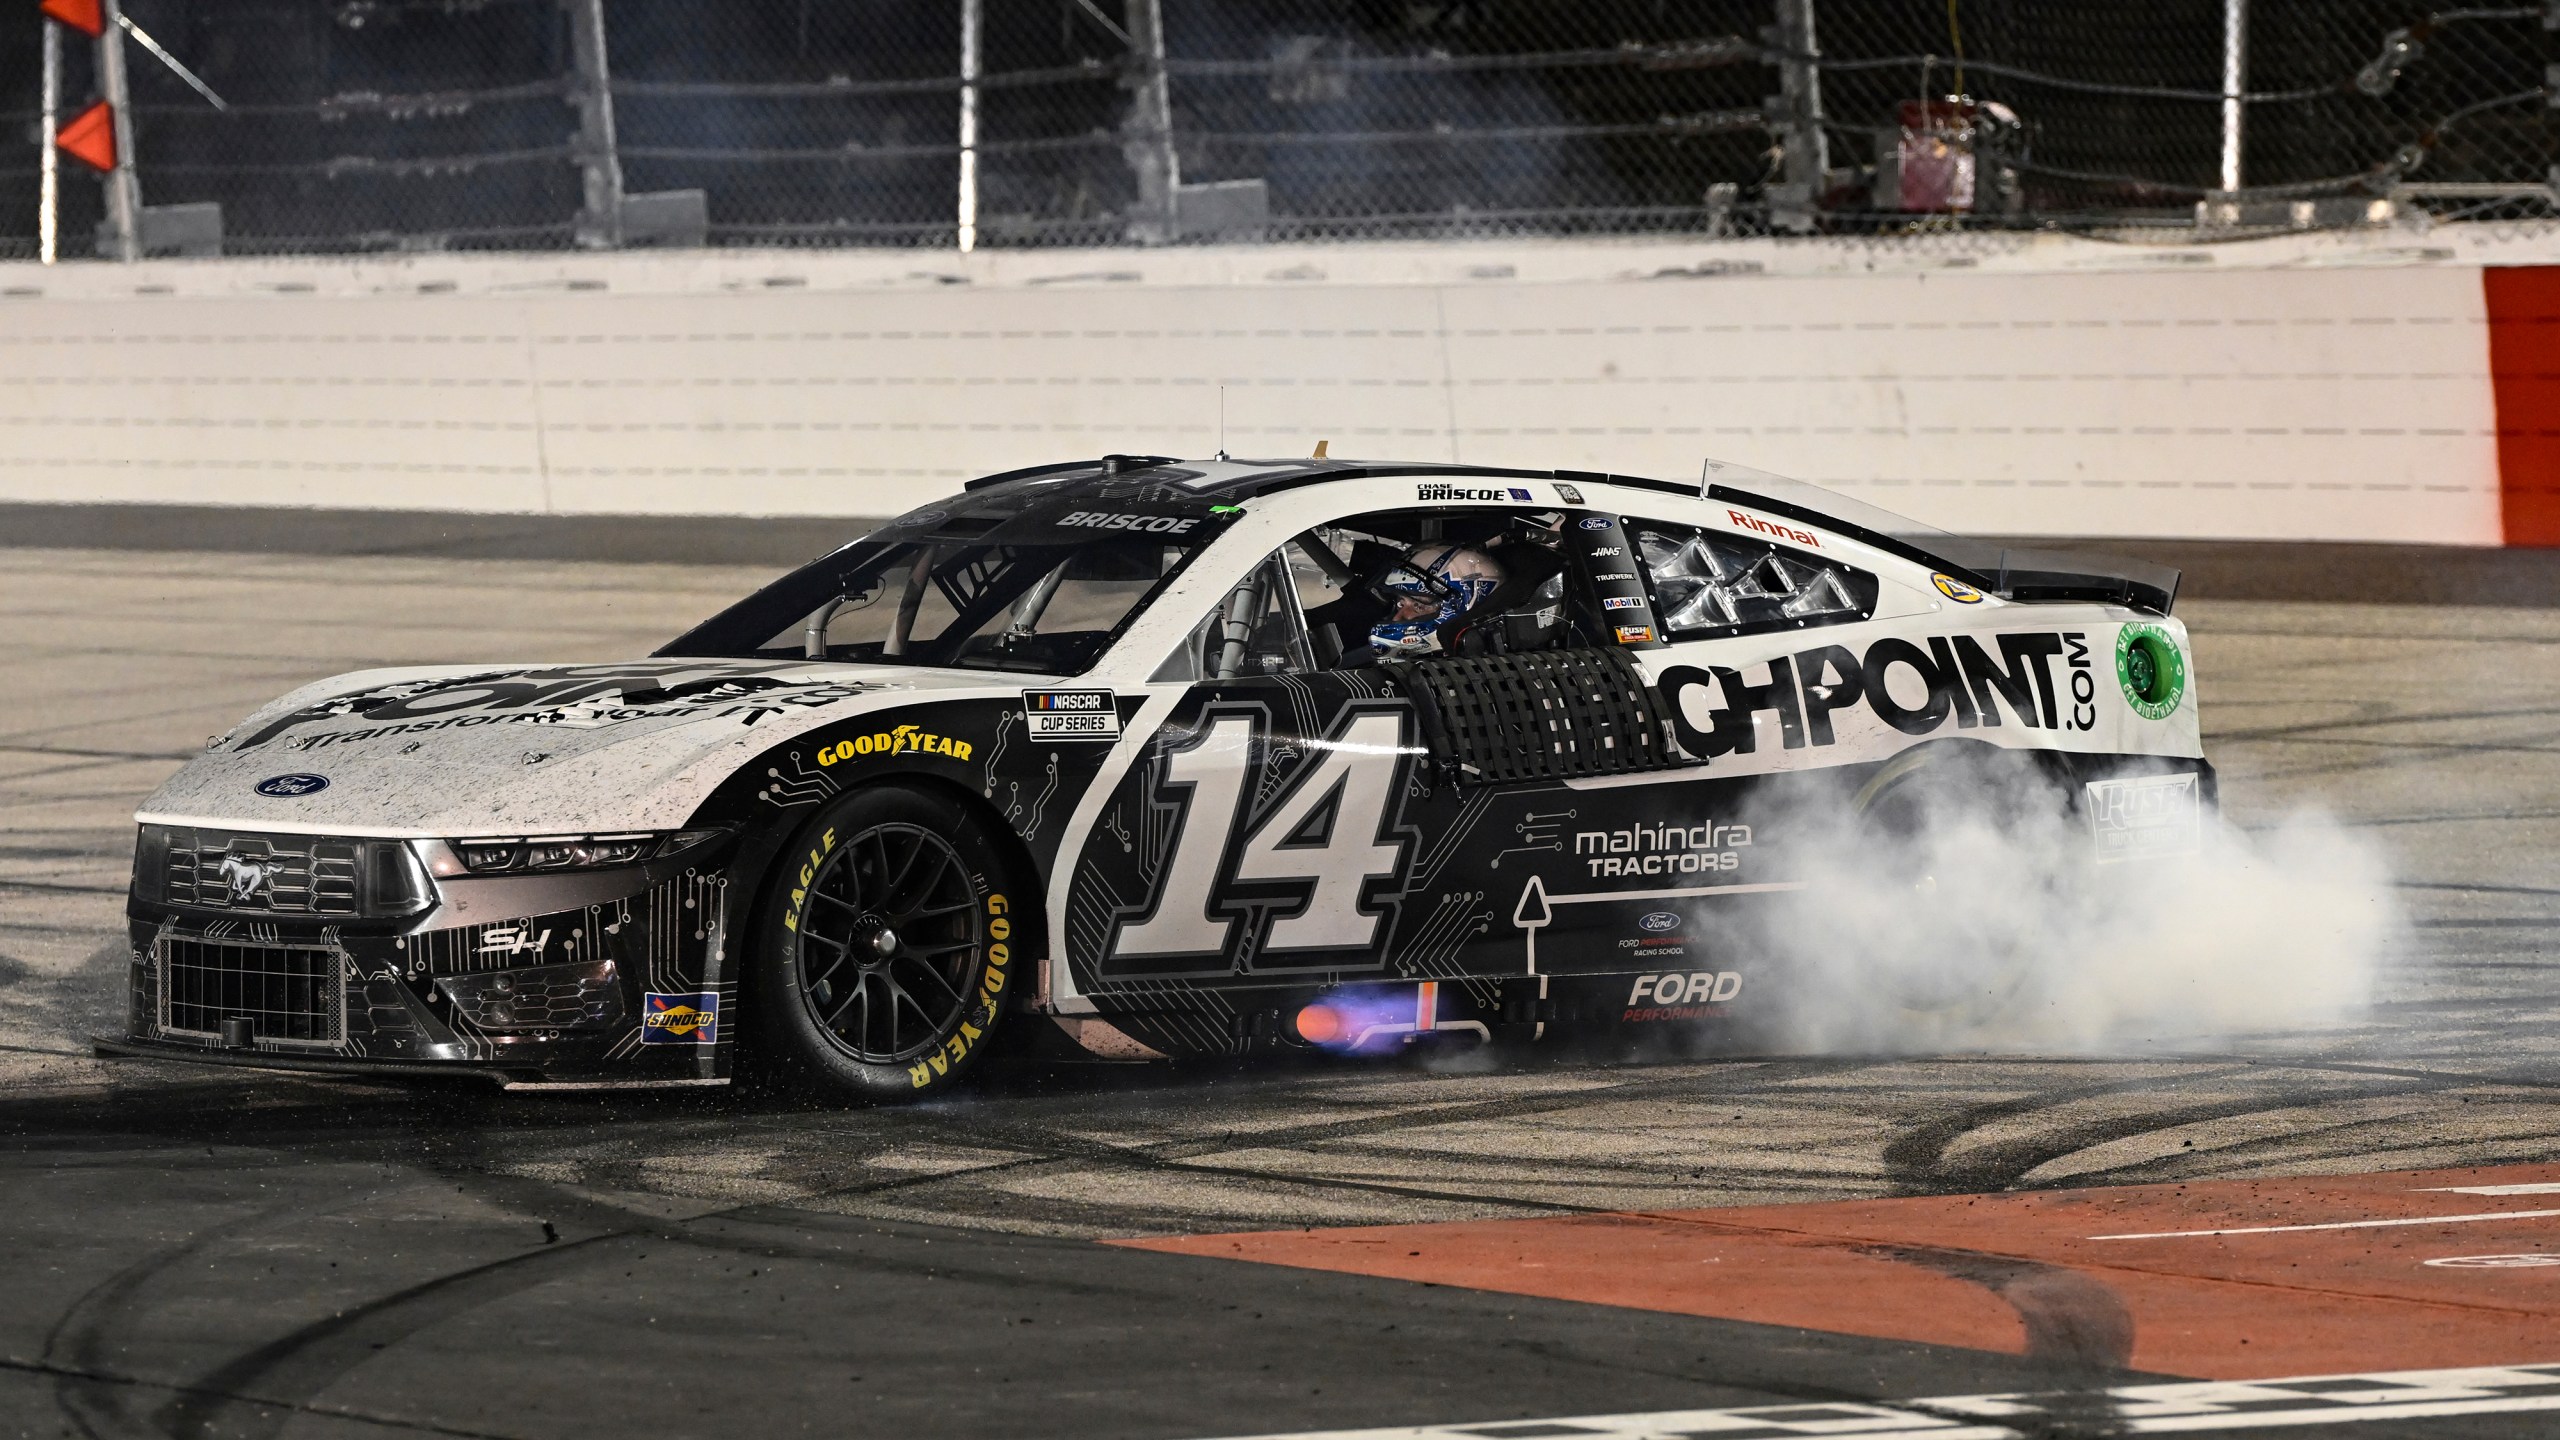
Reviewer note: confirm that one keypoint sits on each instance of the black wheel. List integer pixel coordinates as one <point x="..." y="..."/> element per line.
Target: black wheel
<point x="888" y="947"/>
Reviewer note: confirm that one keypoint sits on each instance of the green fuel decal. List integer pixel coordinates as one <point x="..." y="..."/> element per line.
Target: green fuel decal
<point x="2153" y="673"/>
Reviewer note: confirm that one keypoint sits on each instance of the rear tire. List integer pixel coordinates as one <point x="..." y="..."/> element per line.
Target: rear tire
<point x="888" y="947"/>
<point x="1934" y="824"/>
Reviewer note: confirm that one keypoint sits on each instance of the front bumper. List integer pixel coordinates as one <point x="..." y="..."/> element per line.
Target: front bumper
<point x="612" y="977"/>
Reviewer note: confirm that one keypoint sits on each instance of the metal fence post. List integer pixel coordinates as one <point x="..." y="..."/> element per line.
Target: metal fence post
<point x="49" y="166"/>
<point x="1148" y="135"/>
<point x="971" y="16"/>
<point x="2235" y="83"/>
<point x="124" y="188"/>
<point x="599" y="225"/>
<point x="1792" y="203"/>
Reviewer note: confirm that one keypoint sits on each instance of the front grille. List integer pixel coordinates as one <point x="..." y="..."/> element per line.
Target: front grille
<point x="287" y="992"/>
<point x="325" y="877"/>
<point x="540" y="997"/>
<point x="263" y="874"/>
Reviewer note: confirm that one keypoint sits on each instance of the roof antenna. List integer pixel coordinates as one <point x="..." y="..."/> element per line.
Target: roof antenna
<point x="1320" y="447"/>
<point x="1222" y="422"/>
<point x="1706" y="470"/>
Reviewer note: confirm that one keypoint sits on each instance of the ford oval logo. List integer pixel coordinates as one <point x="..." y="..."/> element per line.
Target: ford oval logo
<point x="285" y="787"/>
<point x="1659" y="921"/>
<point x="1596" y="522"/>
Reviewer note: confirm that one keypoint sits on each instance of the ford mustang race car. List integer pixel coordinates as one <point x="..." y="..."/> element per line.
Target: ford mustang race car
<point x="1166" y="758"/>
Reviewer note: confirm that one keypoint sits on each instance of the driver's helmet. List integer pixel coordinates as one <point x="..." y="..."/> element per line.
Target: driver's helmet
<point x="1435" y="584"/>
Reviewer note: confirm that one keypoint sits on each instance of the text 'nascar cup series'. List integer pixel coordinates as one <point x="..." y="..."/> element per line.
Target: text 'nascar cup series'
<point x="1166" y="758"/>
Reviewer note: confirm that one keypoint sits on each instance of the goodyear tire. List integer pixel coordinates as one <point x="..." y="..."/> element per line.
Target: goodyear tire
<point x="887" y="949"/>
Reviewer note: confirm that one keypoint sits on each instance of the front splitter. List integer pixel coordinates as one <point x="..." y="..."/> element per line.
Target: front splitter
<point x="130" y="1048"/>
<point x="511" y="1078"/>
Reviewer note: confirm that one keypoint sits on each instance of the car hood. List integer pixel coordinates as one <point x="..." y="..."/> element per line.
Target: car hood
<point x="459" y="751"/>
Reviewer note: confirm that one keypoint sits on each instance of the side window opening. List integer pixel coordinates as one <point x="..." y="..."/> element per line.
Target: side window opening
<point x="1708" y="585"/>
<point x="1399" y="576"/>
<point x="1257" y="629"/>
<point x="1339" y="594"/>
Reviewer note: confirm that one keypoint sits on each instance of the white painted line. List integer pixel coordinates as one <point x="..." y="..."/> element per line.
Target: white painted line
<point x="2547" y="1187"/>
<point x="2339" y="1415"/>
<point x="2333" y="1225"/>
<point x="2155" y="1409"/>
<point x="1602" y="897"/>
<point x="1860" y="1422"/>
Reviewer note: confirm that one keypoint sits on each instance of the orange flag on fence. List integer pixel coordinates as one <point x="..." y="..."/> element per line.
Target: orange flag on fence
<point x="90" y="137"/>
<point x="84" y="16"/>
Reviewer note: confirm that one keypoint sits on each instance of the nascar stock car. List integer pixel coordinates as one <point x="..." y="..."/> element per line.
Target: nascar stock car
<point x="1170" y="757"/>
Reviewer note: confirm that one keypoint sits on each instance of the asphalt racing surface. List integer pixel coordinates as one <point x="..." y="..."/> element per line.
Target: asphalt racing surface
<point x="2347" y="1230"/>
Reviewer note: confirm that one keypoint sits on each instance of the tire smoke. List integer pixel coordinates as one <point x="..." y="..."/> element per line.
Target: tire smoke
<point x="1976" y="919"/>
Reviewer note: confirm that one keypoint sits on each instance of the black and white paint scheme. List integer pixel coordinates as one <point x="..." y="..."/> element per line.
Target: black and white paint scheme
<point x="1186" y="802"/>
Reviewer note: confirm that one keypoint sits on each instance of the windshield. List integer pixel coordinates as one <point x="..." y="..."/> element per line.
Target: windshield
<point x="993" y="584"/>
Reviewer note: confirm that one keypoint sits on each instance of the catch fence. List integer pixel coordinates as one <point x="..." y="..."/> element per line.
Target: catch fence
<point x="425" y="125"/>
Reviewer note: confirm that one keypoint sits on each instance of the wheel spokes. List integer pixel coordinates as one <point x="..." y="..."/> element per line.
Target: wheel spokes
<point x="940" y="981"/>
<point x="846" y="906"/>
<point x="861" y="986"/>
<point x="909" y="882"/>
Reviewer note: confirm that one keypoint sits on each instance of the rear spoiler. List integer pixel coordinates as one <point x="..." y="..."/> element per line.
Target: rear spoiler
<point x="2009" y="572"/>
<point x="2022" y="574"/>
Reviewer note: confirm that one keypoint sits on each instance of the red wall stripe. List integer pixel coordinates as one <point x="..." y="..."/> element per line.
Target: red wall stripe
<point x="2524" y="370"/>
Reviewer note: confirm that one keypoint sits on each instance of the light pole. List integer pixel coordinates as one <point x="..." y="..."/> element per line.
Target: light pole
<point x="49" y="167"/>
<point x="2235" y="84"/>
<point x="1150" y="129"/>
<point x="1806" y="150"/>
<point x="971" y="17"/>
<point x="599" y="160"/>
<point x="124" y="188"/>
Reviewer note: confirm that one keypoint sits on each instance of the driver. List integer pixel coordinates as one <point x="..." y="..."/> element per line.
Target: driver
<point x="1435" y="585"/>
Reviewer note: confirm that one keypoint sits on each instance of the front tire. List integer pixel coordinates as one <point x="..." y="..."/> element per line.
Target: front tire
<point x="888" y="947"/>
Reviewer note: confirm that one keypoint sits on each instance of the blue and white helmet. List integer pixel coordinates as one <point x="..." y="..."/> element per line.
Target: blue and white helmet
<point x="1435" y="584"/>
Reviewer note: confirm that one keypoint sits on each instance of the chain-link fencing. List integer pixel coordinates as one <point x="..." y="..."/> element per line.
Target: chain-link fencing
<point x="2349" y="112"/>
<point x="352" y="125"/>
<point x="358" y="125"/>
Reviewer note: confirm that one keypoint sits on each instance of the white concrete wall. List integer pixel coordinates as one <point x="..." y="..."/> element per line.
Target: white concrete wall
<point x="2328" y="388"/>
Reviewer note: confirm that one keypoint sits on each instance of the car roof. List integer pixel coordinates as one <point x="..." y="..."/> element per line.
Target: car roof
<point x="1989" y="565"/>
<point x="1223" y="479"/>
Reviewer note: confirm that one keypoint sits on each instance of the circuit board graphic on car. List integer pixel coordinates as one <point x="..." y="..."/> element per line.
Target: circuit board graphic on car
<point x="1155" y="757"/>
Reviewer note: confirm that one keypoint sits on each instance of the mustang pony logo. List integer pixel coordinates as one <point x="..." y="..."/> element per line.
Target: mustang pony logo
<point x="250" y="879"/>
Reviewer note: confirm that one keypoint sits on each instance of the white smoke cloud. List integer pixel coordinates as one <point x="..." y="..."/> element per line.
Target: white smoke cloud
<point x="1988" y="927"/>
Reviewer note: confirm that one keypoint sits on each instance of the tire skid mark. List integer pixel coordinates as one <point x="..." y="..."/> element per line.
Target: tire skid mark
<point x="1915" y="1160"/>
<point x="2406" y="1072"/>
<point x="77" y="1344"/>
<point x="109" y="1378"/>
<point x="2073" y="1321"/>
<point x="1171" y="1156"/>
<point x="2003" y="1165"/>
<point x="255" y="1394"/>
<point x="291" y="1370"/>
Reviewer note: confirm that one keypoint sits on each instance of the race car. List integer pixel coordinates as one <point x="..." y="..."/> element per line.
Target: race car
<point x="1158" y="758"/>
